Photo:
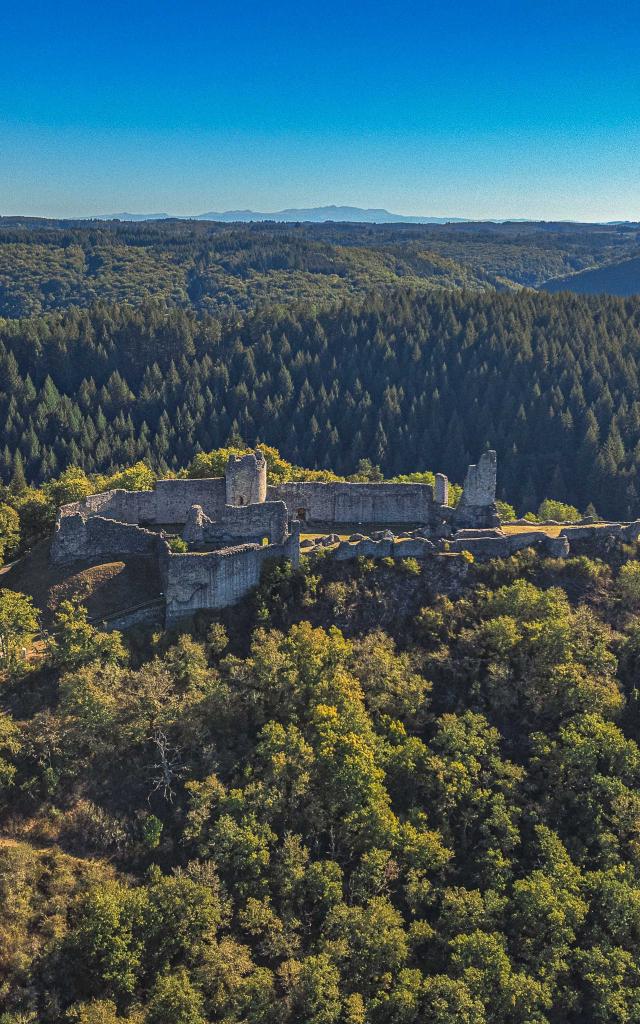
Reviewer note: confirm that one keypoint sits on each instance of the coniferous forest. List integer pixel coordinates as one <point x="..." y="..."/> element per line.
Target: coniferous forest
<point x="410" y="381"/>
<point x="372" y="792"/>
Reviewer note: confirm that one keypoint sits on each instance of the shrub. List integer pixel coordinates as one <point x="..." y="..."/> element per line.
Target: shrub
<point x="628" y="584"/>
<point x="410" y="566"/>
<point x="178" y="545"/>
<point x="505" y="511"/>
<point x="557" y="510"/>
<point x="18" y="626"/>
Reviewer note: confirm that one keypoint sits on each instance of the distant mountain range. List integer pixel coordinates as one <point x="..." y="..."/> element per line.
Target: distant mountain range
<point x="315" y="214"/>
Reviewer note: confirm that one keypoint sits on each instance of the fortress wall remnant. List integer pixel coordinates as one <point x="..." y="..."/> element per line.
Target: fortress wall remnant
<point x="369" y="548"/>
<point x="174" y="498"/>
<point x="249" y="523"/>
<point x="220" y="578"/>
<point x="441" y="489"/>
<point x="355" y="502"/>
<point x="477" y="505"/>
<point x="125" y="506"/>
<point x="87" y="538"/>
<point x="480" y="481"/>
<point x="169" y="503"/>
<point x="503" y="547"/>
<point x="246" y="479"/>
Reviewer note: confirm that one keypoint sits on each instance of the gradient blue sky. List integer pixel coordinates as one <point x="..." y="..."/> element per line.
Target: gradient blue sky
<point x="480" y="109"/>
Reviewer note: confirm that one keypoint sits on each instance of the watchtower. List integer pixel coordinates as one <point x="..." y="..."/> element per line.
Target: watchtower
<point x="246" y="479"/>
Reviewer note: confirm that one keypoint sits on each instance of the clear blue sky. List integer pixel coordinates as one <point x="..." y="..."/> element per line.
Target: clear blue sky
<point x="501" y="108"/>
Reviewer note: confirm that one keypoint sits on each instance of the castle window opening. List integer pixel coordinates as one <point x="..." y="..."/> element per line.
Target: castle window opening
<point x="301" y="514"/>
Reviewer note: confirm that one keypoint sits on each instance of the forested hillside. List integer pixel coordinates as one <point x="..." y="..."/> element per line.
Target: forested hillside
<point x="410" y="381"/>
<point x="374" y="792"/>
<point x="287" y="822"/>
<point x="621" y="278"/>
<point x="46" y="265"/>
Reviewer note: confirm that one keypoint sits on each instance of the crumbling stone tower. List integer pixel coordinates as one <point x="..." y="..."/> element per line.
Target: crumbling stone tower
<point x="246" y="479"/>
<point x="477" y="506"/>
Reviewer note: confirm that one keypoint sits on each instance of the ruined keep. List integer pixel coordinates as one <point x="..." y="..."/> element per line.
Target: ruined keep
<point x="246" y="479"/>
<point x="233" y="524"/>
<point x="477" y="507"/>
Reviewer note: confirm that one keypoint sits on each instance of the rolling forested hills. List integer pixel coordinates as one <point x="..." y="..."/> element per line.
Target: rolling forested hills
<point x="46" y="265"/>
<point x="407" y="344"/>
<point x="375" y="792"/>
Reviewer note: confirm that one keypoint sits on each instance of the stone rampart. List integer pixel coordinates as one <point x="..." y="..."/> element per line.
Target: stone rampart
<point x="219" y="578"/>
<point x="168" y="504"/>
<point x="369" y="548"/>
<point x="87" y="538"/>
<point x="174" y="498"/>
<point x="502" y="547"/>
<point x="355" y="503"/>
<point x="249" y="523"/>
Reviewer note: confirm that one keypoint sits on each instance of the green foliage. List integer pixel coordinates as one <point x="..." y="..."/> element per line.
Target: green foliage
<point x="18" y="626"/>
<point x="558" y="511"/>
<point x="505" y="511"/>
<point x="400" y="374"/>
<point x="174" y="1000"/>
<point x="278" y="469"/>
<point x="77" y="642"/>
<point x="628" y="585"/>
<point x="410" y="566"/>
<point x="434" y="820"/>
<point x="9" y="532"/>
<point x="178" y="545"/>
<point x="135" y="478"/>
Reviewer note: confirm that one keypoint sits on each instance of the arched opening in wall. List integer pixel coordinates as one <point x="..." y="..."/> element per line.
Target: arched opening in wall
<point x="240" y="501"/>
<point x="301" y="514"/>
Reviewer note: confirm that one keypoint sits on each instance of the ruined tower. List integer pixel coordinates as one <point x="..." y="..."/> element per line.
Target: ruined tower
<point x="477" y="507"/>
<point x="246" y="479"/>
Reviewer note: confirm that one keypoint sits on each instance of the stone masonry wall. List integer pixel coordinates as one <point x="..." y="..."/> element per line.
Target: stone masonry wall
<point x="249" y="523"/>
<point x="174" y="498"/>
<point x="169" y="503"/>
<point x="87" y="538"/>
<point x="220" y="578"/>
<point x="480" y="482"/>
<point x="356" y="503"/>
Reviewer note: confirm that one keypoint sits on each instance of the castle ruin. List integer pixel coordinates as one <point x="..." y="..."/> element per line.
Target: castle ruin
<point x="232" y="524"/>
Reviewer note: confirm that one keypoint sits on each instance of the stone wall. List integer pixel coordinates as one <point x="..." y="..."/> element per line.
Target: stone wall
<point x="169" y="503"/>
<point x="249" y="523"/>
<point x="355" y="503"/>
<point x="477" y="507"/>
<point x="219" y="578"/>
<point x="480" y="481"/>
<point x="369" y="548"/>
<point x="174" y="498"/>
<point x="502" y="547"/>
<point x="79" y="538"/>
<point x="126" y="506"/>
